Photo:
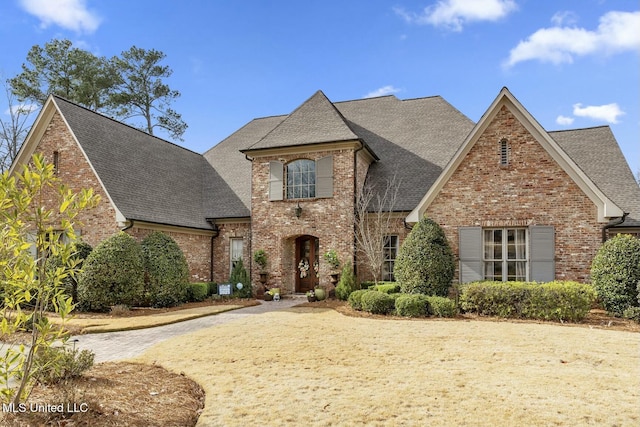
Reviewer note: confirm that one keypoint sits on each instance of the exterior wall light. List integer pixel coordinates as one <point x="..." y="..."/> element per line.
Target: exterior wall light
<point x="297" y="210"/>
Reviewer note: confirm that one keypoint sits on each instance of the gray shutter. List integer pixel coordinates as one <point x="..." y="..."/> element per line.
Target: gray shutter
<point x="324" y="177"/>
<point x="470" y="249"/>
<point x="542" y="256"/>
<point x="276" y="174"/>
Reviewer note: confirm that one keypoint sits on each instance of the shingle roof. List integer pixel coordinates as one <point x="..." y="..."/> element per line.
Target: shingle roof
<point x="149" y="179"/>
<point x="597" y="153"/>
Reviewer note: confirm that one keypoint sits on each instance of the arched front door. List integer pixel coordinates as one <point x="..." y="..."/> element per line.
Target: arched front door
<point x="307" y="261"/>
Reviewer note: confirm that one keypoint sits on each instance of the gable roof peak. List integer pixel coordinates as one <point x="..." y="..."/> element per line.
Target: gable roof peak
<point x="317" y="120"/>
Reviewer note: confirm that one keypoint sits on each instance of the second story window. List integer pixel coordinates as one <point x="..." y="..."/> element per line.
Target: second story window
<point x="301" y="179"/>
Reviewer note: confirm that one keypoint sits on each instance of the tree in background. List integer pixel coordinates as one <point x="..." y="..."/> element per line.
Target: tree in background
<point x="30" y="234"/>
<point x="61" y="69"/>
<point x="126" y="88"/>
<point x="14" y="130"/>
<point x="140" y="91"/>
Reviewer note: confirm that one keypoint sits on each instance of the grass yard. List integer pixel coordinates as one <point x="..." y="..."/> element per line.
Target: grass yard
<point x="317" y="367"/>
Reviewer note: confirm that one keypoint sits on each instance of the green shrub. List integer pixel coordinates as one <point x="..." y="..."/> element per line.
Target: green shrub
<point x="560" y="301"/>
<point x="442" y="306"/>
<point x="70" y="283"/>
<point x="347" y="283"/>
<point x="615" y="273"/>
<point x="387" y="287"/>
<point x="213" y="288"/>
<point x="412" y="305"/>
<point x="167" y="271"/>
<point x="355" y="298"/>
<point x="197" y="292"/>
<point x="632" y="313"/>
<point x="240" y="275"/>
<point x="113" y="274"/>
<point x="425" y="263"/>
<point x="377" y="302"/>
<point x="54" y="364"/>
<point x="367" y="284"/>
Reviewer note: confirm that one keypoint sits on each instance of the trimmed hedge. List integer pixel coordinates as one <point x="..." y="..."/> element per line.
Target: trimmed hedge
<point x="615" y="273"/>
<point x="377" y="302"/>
<point x="441" y="306"/>
<point x="355" y="298"/>
<point x="113" y="274"/>
<point x="167" y="271"/>
<point x="197" y="292"/>
<point x="560" y="301"/>
<point x="412" y="305"/>
<point x="387" y="287"/>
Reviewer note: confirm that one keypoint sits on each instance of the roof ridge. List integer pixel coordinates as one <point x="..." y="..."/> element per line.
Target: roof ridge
<point x="584" y="128"/>
<point x="121" y="123"/>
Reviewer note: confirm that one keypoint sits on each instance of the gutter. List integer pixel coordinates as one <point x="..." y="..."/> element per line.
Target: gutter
<point x="614" y="222"/>
<point x="128" y="226"/>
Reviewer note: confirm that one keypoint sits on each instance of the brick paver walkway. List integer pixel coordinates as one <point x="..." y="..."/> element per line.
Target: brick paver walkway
<point x="122" y="345"/>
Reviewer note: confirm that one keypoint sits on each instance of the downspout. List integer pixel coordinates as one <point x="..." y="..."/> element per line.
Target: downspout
<point x="613" y="223"/>
<point x="355" y="202"/>
<point x="128" y="226"/>
<point x="216" y="233"/>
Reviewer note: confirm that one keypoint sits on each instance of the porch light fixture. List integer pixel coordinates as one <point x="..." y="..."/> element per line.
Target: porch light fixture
<point x="297" y="210"/>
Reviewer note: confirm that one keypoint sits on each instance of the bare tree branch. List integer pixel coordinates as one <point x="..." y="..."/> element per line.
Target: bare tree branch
<point x="14" y="130"/>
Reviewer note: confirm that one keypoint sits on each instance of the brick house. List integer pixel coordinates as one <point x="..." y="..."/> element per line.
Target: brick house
<point x="515" y="201"/>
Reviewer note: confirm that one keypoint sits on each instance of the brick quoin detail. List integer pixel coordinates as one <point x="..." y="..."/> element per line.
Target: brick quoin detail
<point x="531" y="190"/>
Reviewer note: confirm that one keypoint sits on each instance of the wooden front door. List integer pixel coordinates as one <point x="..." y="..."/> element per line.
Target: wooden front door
<point x="307" y="261"/>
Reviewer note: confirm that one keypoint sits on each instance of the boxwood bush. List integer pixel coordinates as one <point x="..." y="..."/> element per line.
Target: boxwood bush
<point x="197" y="292"/>
<point x="113" y="274"/>
<point x="412" y="305"/>
<point x="355" y="298"/>
<point x="560" y="301"/>
<point x="167" y="271"/>
<point x="377" y="302"/>
<point x="425" y="263"/>
<point x="442" y="306"/>
<point x="387" y="287"/>
<point x="615" y="273"/>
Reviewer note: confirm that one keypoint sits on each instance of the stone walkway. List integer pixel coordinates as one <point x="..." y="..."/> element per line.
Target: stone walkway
<point x="112" y="346"/>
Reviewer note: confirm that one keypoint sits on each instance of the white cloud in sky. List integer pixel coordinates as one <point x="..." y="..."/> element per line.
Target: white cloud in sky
<point x="564" y="17"/>
<point x="563" y="120"/>
<point x="608" y="113"/>
<point x="616" y="32"/>
<point x="69" y="14"/>
<point x="385" y="90"/>
<point x="452" y="14"/>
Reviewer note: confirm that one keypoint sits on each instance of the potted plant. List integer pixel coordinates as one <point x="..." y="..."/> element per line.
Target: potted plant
<point x="311" y="296"/>
<point x="260" y="258"/>
<point x="320" y="293"/>
<point x="331" y="257"/>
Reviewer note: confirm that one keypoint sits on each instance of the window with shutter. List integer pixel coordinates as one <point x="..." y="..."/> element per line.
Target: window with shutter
<point x="324" y="179"/>
<point x="470" y="250"/>
<point x="276" y="172"/>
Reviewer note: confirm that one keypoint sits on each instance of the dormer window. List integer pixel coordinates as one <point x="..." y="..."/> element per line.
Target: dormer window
<point x="301" y="179"/>
<point x="504" y="152"/>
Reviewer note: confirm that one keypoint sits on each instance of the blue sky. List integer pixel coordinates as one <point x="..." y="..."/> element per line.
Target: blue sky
<point x="571" y="63"/>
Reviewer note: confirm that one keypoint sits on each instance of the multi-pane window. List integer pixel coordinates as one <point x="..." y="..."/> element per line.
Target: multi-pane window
<point x="505" y="254"/>
<point x="301" y="179"/>
<point x="390" y="253"/>
<point x="236" y="248"/>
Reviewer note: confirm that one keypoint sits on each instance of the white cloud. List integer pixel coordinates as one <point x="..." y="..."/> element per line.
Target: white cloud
<point x="564" y="17"/>
<point x="563" y="120"/>
<point x="616" y="32"/>
<point x="385" y="90"/>
<point x="452" y="14"/>
<point x="609" y="112"/>
<point x="69" y="14"/>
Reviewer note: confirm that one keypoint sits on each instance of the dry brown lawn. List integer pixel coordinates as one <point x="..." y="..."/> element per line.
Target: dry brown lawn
<point x="310" y="366"/>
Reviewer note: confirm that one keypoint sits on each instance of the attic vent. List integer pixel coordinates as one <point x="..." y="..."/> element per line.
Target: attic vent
<point x="56" y="162"/>
<point x="504" y="152"/>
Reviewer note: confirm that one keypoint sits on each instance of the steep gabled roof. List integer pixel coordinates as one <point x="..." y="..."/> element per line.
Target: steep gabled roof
<point x="597" y="153"/>
<point x="147" y="178"/>
<point x="606" y="207"/>
<point x="315" y="121"/>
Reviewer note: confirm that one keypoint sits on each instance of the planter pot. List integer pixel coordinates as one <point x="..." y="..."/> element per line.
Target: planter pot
<point x="268" y="297"/>
<point x="320" y="294"/>
<point x="311" y="299"/>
